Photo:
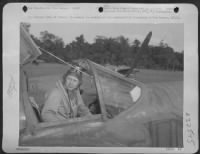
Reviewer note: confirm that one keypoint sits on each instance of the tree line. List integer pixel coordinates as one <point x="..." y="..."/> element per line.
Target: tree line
<point x="108" y="50"/>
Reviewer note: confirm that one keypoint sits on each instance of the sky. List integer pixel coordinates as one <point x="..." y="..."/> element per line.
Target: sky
<point x="172" y="34"/>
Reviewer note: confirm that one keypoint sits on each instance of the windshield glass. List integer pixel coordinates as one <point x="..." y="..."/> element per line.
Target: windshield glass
<point x="117" y="92"/>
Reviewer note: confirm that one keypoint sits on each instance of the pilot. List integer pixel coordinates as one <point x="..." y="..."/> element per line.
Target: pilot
<point x="65" y="101"/>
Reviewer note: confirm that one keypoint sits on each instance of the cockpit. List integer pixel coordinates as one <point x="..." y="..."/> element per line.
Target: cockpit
<point x="106" y="93"/>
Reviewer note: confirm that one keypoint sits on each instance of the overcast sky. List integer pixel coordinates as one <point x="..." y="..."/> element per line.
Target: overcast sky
<point x="172" y="34"/>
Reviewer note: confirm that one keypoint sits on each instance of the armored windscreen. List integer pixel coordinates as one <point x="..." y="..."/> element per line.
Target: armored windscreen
<point x="115" y="90"/>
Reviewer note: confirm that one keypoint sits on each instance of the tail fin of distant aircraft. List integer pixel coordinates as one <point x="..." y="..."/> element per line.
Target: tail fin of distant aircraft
<point x="143" y="47"/>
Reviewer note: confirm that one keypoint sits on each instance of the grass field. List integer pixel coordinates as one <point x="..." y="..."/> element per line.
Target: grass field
<point x="150" y="76"/>
<point x="144" y="75"/>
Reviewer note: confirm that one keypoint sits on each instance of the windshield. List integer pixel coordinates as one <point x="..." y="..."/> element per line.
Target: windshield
<point x="117" y="92"/>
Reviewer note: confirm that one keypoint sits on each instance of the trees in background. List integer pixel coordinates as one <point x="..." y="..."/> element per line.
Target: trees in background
<point x="114" y="51"/>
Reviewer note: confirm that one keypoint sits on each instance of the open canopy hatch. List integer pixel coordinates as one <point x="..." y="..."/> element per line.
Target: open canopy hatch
<point x="29" y="51"/>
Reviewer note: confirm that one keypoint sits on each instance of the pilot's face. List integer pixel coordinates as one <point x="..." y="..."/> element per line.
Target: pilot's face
<point x="72" y="82"/>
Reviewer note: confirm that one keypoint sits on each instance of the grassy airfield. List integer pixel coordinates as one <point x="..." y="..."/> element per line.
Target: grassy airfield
<point x="151" y="76"/>
<point x="144" y="75"/>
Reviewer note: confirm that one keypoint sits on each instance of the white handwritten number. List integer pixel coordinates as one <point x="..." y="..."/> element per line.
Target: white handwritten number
<point x="190" y="132"/>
